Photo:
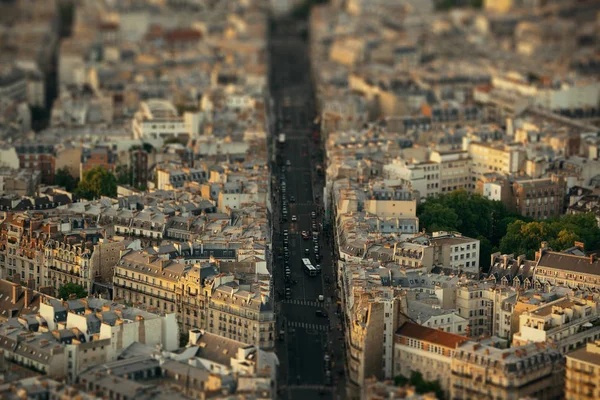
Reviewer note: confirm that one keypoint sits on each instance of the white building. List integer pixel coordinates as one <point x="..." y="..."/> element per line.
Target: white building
<point x="423" y="177"/>
<point x="158" y="120"/>
<point x="455" y="170"/>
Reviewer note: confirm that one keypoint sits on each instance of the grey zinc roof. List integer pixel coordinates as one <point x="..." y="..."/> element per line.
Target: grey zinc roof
<point x="218" y="349"/>
<point x="570" y="262"/>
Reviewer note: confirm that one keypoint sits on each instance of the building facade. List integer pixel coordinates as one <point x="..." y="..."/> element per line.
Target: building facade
<point x="426" y="350"/>
<point x="583" y="370"/>
<point x="485" y="372"/>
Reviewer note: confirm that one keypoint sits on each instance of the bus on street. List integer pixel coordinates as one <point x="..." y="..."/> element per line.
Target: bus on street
<point x="308" y="267"/>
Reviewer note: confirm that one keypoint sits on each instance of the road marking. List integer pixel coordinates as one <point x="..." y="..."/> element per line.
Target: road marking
<point x="307" y="387"/>
<point x="305" y="325"/>
<point x="307" y="303"/>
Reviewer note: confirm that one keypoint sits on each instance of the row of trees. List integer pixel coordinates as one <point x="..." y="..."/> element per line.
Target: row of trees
<point x="96" y="182"/>
<point x="498" y="229"/>
<point x="421" y="385"/>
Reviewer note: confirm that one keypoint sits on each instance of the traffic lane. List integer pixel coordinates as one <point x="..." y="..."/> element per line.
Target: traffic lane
<point x="304" y="313"/>
<point x="309" y="365"/>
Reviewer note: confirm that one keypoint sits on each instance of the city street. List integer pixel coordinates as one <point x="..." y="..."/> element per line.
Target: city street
<point x="310" y="353"/>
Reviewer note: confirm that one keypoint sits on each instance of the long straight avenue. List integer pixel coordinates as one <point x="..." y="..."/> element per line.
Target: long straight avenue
<point x="309" y="345"/>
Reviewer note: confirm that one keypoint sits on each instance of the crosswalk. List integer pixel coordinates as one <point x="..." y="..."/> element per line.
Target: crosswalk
<point x="305" y="325"/>
<point x="307" y="387"/>
<point x="307" y="303"/>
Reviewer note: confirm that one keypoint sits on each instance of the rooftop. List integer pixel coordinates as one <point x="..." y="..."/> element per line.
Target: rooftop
<point x="430" y="335"/>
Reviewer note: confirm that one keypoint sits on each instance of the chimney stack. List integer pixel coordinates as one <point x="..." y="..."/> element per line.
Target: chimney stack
<point x="28" y="297"/>
<point x="16" y="292"/>
<point x="592" y="258"/>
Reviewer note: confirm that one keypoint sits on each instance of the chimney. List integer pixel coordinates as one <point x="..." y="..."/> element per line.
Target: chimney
<point x="16" y="293"/>
<point x="592" y="258"/>
<point x="163" y="264"/>
<point x="581" y="245"/>
<point x="31" y="283"/>
<point x="28" y="297"/>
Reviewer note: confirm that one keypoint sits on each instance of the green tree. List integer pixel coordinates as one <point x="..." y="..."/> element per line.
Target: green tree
<point x="148" y="147"/>
<point x="64" y="178"/>
<point x="124" y="175"/>
<point x="560" y="233"/>
<point x="435" y="217"/>
<point x="470" y="214"/>
<point x="97" y="182"/>
<point x="66" y="290"/>
<point x="172" y="140"/>
<point x="421" y="386"/>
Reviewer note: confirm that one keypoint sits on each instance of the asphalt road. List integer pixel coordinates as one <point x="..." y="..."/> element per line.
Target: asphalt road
<point x="309" y="349"/>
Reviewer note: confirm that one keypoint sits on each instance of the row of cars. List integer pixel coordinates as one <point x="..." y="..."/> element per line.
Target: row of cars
<point x="284" y="199"/>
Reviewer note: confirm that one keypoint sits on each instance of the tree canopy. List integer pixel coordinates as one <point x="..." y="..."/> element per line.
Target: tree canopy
<point x="500" y="230"/>
<point x="66" y="290"/>
<point x="124" y="175"/>
<point x="560" y="233"/>
<point x="64" y="178"/>
<point x="421" y="385"/>
<point x="97" y="182"/>
<point x="470" y="214"/>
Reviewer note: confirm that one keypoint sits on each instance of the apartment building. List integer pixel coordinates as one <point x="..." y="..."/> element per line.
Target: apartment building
<point x="240" y="312"/>
<point x="566" y="322"/>
<point x="473" y="304"/>
<point x="97" y="157"/>
<point x="19" y="182"/>
<point x="423" y="177"/>
<point x="170" y="178"/>
<point x="62" y="339"/>
<point x="81" y="257"/>
<point x="583" y="370"/>
<point x="455" y="170"/>
<point x="390" y="200"/>
<point x="202" y="297"/>
<point x="138" y="162"/>
<point x="38" y="157"/>
<point x="539" y="198"/>
<point x="427" y="311"/>
<point x="563" y="269"/>
<point x="503" y="159"/>
<point x="22" y="241"/>
<point x="158" y="120"/>
<point x="373" y="318"/>
<point x="497" y="187"/>
<point x="426" y="350"/>
<point x="163" y="284"/>
<point x="447" y="249"/>
<point x="486" y="372"/>
<point x="103" y="329"/>
<point x="456" y="251"/>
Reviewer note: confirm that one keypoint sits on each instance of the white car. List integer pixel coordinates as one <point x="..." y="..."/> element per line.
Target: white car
<point x="321" y="297"/>
<point x="294" y="218"/>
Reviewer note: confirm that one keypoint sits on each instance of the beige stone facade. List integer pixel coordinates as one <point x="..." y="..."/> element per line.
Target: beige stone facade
<point x="485" y="372"/>
<point x="583" y="370"/>
<point x="202" y="297"/>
